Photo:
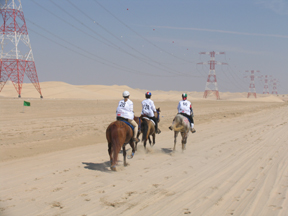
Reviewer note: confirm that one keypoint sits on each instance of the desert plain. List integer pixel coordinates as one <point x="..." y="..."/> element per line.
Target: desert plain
<point x="54" y="158"/>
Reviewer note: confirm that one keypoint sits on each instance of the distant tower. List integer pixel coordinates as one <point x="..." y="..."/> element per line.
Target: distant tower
<point x="266" y="84"/>
<point x="211" y="84"/>
<point x="252" y="89"/>
<point x="16" y="53"/>
<point x="274" y="86"/>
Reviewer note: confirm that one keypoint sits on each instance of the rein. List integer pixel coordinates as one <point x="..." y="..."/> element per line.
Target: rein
<point x="139" y="124"/>
<point x="157" y="115"/>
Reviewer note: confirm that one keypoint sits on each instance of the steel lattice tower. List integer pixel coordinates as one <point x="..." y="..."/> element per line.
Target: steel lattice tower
<point x="211" y="84"/>
<point x="266" y="84"/>
<point x="274" y="84"/>
<point x="16" y="53"/>
<point x="252" y="89"/>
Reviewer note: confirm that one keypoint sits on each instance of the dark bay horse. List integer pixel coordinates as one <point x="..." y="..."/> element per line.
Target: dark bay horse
<point x="118" y="134"/>
<point x="148" y="128"/>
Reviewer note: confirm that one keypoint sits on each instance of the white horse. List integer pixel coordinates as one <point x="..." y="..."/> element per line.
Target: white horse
<point x="180" y="124"/>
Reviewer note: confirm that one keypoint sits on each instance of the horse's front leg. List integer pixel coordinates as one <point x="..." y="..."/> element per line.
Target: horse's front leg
<point x="175" y="137"/>
<point x="134" y="148"/>
<point x="138" y="134"/>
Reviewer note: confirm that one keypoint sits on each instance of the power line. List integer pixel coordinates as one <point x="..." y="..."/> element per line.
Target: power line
<point x="152" y="60"/>
<point x="109" y="42"/>
<point x="139" y="34"/>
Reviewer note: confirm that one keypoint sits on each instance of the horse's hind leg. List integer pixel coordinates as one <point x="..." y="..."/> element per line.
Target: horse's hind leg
<point x="124" y="155"/>
<point x="110" y="152"/>
<point x="153" y="135"/>
<point x="184" y="141"/>
<point x="149" y="140"/>
<point x="175" y="137"/>
<point x="115" y="147"/>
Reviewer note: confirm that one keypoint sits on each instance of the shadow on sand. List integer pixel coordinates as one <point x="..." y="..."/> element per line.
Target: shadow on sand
<point x="103" y="167"/>
<point x="167" y="150"/>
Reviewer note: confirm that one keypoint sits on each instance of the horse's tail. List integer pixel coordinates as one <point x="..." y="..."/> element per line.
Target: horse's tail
<point x="178" y="121"/>
<point x="113" y="141"/>
<point x="144" y="128"/>
<point x="175" y="128"/>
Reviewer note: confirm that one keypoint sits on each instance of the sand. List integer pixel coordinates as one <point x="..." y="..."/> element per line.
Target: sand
<point x="54" y="159"/>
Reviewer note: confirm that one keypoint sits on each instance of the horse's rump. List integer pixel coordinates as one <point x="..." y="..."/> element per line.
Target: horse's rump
<point x="147" y="128"/>
<point x="149" y="119"/>
<point x="121" y="130"/>
<point x="181" y="123"/>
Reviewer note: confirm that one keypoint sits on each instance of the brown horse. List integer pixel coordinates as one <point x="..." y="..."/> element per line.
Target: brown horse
<point x="118" y="134"/>
<point x="148" y="128"/>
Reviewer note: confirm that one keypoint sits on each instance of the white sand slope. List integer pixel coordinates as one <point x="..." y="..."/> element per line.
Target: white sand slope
<point x="232" y="166"/>
<point x="61" y="90"/>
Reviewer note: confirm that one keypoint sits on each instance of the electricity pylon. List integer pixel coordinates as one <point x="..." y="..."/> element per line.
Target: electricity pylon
<point x="16" y="53"/>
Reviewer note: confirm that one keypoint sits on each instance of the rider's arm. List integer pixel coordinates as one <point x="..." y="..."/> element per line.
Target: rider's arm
<point x="178" y="107"/>
<point x="191" y="110"/>
<point x="153" y="107"/>
<point x="131" y="106"/>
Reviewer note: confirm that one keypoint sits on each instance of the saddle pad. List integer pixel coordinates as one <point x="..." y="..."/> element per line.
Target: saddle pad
<point x="130" y="125"/>
<point x="149" y="120"/>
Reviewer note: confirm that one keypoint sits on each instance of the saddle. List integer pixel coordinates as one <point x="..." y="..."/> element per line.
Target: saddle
<point x="185" y="117"/>
<point x="147" y="118"/>
<point x="126" y="122"/>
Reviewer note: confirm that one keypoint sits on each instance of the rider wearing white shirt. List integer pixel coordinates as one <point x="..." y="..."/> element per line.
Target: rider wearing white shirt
<point x="148" y="109"/>
<point x="185" y="109"/>
<point x="125" y="111"/>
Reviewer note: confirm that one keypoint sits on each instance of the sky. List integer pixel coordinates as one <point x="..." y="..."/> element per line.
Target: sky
<point x="155" y="44"/>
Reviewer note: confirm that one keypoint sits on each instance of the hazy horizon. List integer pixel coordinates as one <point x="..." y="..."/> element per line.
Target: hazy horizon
<point x="155" y="45"/>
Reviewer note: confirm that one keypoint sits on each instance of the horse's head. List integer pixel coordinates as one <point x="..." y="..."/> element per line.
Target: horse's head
<point x="158" y="114"/>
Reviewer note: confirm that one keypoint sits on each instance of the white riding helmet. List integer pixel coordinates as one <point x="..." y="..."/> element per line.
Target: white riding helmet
<point x="126" y="94"/>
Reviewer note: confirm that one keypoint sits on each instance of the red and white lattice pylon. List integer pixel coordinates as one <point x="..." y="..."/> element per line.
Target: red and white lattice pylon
<point x="211" y="84"/>
<point x="252" y="89"/>
<point x="274" y="86"/>
<point x="16" y="53"/>
<point x="267" y="80"/>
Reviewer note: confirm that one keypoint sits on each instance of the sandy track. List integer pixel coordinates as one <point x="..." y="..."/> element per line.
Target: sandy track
<point x="232" y="166"/>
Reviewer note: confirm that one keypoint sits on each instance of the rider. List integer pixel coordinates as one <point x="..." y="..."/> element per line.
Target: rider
<point x="125" y="111"/>
<point x="148" y="109"/>
<point x="185" y="109"/>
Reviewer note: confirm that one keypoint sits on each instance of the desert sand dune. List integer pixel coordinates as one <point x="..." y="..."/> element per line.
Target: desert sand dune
<point x="54" y="158"/>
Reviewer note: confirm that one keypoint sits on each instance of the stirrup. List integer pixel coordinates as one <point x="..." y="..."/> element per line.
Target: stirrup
<point x="158" y="131"/>
<point x="193" y="130"/>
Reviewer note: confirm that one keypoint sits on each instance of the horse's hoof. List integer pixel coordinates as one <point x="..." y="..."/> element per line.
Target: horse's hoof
<point x="126" y="164"/>
<point x="130" y="156"/>
<point x="113" y="168"/>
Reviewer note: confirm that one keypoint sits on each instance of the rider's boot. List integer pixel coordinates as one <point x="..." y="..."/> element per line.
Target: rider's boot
<point x="171" y="128"/>
<point x="192" y="129"/>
